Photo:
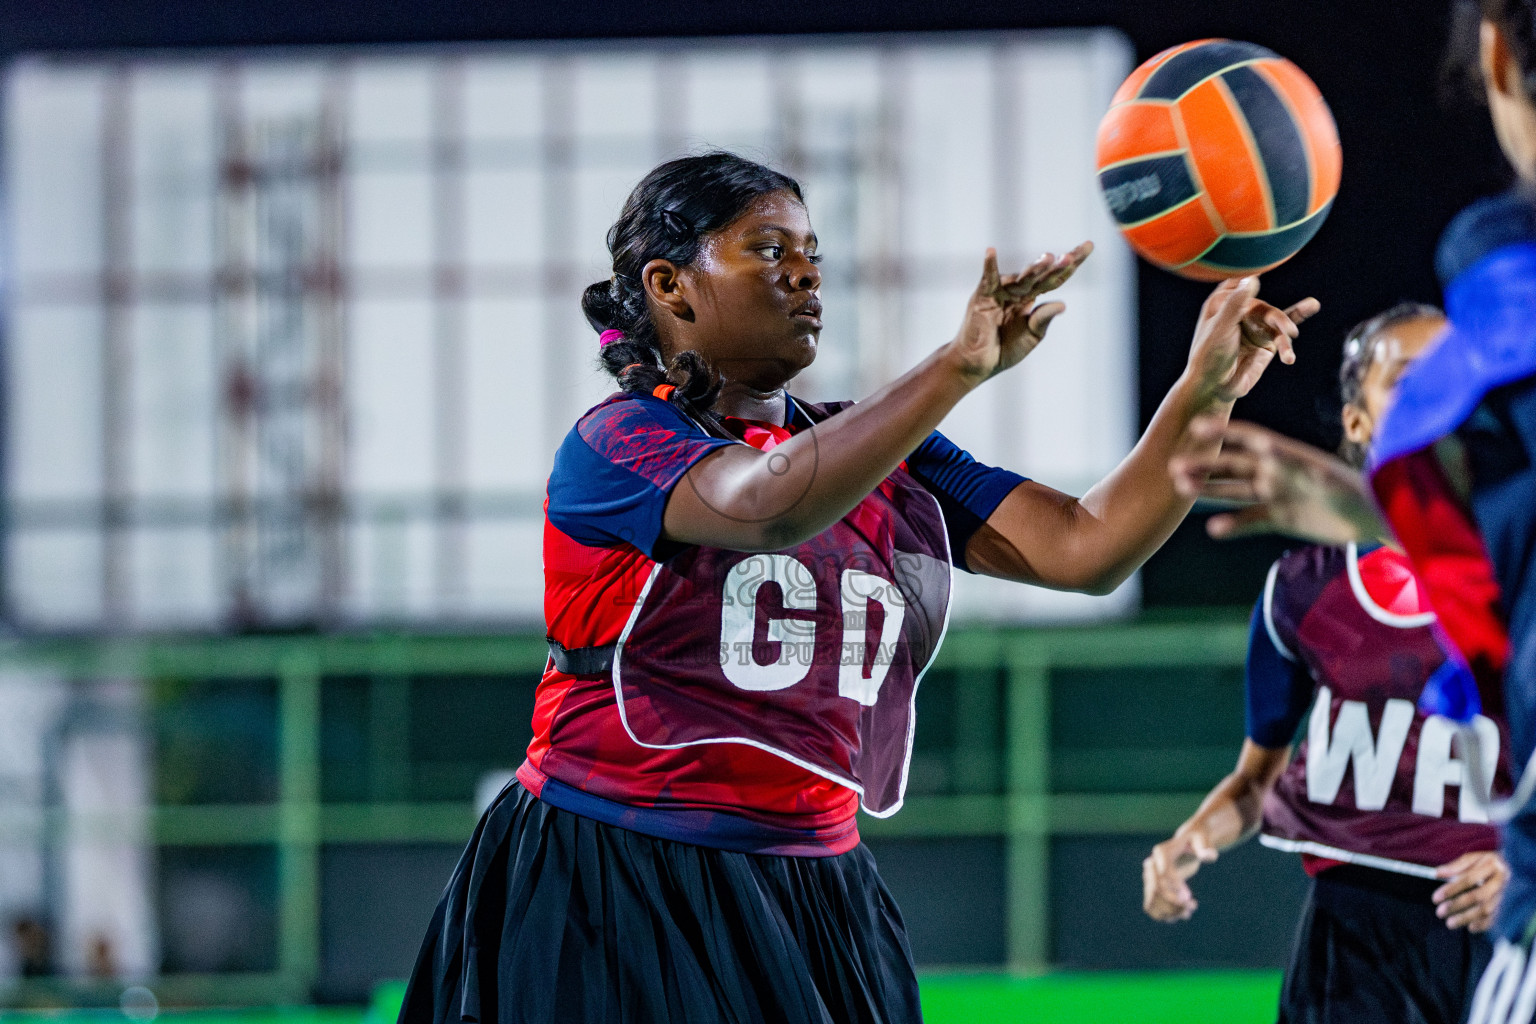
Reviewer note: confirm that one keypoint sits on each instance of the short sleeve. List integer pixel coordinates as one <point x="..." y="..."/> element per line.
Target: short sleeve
<point x="968" y="491"/>
<point x="1277" y="689"/>
<point x="616" y="468"/>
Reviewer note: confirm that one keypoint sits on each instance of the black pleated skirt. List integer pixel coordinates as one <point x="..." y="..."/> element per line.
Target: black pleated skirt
<point x="551" y="916"/>
<point x="1370" y="950"/>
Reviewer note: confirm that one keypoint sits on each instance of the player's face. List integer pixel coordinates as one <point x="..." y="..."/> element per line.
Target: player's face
<point x="754" y="293"/>
<point x="1395" y="347"/>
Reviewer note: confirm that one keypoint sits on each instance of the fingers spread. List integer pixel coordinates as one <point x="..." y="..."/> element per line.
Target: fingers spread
<point x="1188" y="475"/>
<point x="1046" y="273"/>
<point x="1303" y="310"/>
<point x="1266" y="327"/>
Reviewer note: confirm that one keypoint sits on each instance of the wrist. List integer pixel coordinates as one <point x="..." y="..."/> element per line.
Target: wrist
<point x="1199" y="397"/>
<point x="959" y="368"/>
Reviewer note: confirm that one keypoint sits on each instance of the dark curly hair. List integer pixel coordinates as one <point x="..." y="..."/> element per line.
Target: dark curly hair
<point x="666" y="217"/>
<point x="1360" y="348"/>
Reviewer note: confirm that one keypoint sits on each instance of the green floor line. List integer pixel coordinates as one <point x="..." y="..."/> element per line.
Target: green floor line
<point x="1174" y="997"/>
<point x="1164" y="997"/>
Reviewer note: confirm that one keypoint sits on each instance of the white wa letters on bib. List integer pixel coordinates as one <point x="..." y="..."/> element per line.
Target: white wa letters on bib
<point x="1375" y="757"/>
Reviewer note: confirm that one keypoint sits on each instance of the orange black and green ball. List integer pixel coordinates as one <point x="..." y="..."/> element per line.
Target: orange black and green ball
<point x="1218" y="159"/>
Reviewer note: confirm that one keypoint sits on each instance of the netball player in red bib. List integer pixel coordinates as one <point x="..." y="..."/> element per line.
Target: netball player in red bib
<point x="742" y="593"/>
<point x="1375" y="799"/>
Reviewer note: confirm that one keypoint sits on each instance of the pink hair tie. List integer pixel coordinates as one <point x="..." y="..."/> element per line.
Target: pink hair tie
<point x="609" y="336"/>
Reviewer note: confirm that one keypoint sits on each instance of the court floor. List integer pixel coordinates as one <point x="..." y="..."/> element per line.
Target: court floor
<point x="1185" y="997"/>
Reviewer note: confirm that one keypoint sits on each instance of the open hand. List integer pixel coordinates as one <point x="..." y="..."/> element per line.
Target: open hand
<point x="1471" y="898"/>
<point x="1003" y="323"/>
<point x="1165" y="874"/>
<point x="1289" y="487"/>
<point x="1238" y="335"/>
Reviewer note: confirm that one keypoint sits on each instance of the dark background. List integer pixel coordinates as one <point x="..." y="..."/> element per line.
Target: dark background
<point x="1411" y="158"/>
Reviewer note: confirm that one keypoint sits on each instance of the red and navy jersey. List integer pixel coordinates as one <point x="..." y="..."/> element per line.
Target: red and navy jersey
<point x="1344" y="639"/>
<point x="602" y="544"/>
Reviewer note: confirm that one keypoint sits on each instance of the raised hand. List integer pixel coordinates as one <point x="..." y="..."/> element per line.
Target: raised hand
<point x="1238" y="335"/>
<point x="1003" y="323"/>
<point x="1288" y="487"/>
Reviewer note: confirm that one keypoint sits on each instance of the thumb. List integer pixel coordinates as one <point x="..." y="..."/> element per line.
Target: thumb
<point x="1202" y="849"/>
<point x="1213" y="301"/>
<point x="1040" y="318"/>
<point x="1232" y="304"/>
<point x="989" y="276"/>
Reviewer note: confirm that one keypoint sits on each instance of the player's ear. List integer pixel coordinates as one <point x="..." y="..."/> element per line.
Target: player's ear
<point x="1501" y="71"/>
<point x="663" y="284"/>
<point x="1358" y="426"/>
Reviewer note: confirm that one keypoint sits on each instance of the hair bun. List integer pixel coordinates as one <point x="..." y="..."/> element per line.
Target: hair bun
<point x="601" y="307"/>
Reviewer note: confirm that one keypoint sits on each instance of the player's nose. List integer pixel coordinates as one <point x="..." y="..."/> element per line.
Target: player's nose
<point x="804" y="276"/>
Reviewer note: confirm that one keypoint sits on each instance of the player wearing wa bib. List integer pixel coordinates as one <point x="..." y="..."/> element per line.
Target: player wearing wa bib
<point x="1342" y="641"/>
<point x="1375" y="796"/>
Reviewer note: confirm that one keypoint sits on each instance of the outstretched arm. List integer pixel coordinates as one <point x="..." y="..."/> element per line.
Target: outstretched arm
<point x="1228" y="815"/>
<point x="1093" y="543"/>
<point x="747" y="500"/>
<point x="1288" y="487"/>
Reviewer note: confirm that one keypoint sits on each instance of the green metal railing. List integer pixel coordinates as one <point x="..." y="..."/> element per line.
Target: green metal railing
<point x="1022" y="807"/>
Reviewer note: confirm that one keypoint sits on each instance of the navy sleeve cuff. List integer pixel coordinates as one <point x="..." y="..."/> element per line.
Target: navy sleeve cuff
<point x="968" y="491"/>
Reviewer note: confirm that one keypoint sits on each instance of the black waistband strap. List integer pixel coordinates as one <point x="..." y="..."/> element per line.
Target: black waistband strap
<point x="581" y="661"/>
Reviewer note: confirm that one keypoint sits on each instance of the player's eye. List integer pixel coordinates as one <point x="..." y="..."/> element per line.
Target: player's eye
<point x="773" y="252"/>
<point x="815" y="257"/>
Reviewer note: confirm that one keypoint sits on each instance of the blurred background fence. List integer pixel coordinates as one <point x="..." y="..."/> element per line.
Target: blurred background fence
<point x="302" y="800"/>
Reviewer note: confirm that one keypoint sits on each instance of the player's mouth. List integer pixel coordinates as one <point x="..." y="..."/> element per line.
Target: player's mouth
<point x="809" y="312"/>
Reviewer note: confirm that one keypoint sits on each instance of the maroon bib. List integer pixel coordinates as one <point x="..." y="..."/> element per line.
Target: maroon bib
<point x="813" y="653"/>
<point x="1375" y="781"/>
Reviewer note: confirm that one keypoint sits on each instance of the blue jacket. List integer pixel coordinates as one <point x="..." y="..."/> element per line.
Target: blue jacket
<point x="1477" y="383"/>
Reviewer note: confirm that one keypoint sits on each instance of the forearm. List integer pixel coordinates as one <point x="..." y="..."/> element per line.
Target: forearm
<point x="1133" y="510"/>
<point x="1234" y="808"/>
<point x="755" y="501"/>
<point x="1230" y="813"/>
<point x="1095" y="542"/>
